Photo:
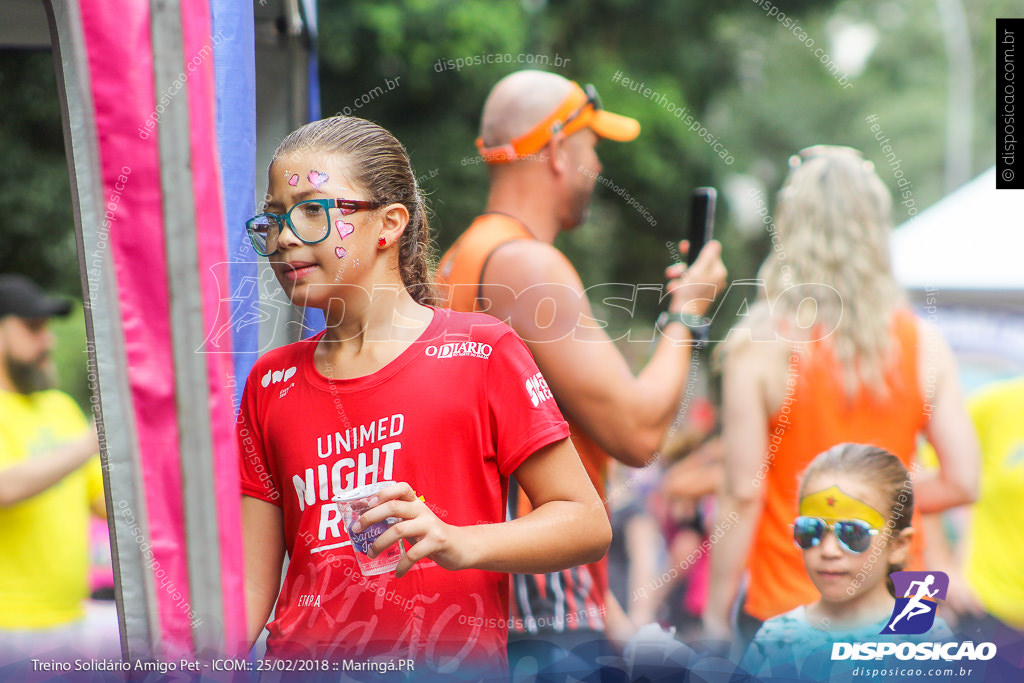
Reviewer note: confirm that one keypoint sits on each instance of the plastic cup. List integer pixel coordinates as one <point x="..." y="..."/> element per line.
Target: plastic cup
<point x="354" y="503"/>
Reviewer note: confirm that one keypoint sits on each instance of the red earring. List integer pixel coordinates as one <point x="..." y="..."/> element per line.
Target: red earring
<point x="382" y="242"/>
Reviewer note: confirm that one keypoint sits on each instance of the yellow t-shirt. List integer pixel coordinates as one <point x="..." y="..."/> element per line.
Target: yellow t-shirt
<point x="995" y="554"/>
<point x="44" y="552"/>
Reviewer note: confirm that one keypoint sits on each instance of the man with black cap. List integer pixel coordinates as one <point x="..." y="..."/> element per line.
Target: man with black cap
<point x="538" y="135"/>
<point x="49" y="480"/>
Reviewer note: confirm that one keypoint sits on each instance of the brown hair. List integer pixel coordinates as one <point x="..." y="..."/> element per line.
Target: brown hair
<point x="877" y="466"/>
<point x="381" y="164"/>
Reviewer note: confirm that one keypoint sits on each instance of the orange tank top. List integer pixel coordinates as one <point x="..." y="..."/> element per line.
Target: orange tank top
<point x="816" y="415"/>
<point x="459" y="279"/>
<point x="461" y="268"/>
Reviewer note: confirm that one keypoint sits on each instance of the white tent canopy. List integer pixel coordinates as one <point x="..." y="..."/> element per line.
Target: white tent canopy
<point x="973" y="239"/>
<point x="962" y="262"/>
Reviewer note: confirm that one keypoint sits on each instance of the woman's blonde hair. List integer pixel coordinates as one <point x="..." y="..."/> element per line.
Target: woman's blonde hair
<point x="834" y="220"/>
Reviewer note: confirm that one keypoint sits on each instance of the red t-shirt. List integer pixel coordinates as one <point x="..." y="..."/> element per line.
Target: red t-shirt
<point x="453" y="415"/>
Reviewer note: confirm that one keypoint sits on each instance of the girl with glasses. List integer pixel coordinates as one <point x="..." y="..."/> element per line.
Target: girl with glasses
<point x="447" y="405"/>
<point x="853" y="528"/>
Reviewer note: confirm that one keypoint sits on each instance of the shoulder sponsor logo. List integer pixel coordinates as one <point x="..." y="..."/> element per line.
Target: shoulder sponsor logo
<point x="275" y="376"/>
<point x="459" y="349"/>
<point x="537" y="388"/>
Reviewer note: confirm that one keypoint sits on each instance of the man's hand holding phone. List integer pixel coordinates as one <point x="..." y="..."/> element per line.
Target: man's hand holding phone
<point x="693" y="289"/>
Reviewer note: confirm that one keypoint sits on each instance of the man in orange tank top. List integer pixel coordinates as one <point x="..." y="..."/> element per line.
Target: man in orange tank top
<point x="538" y="134"/>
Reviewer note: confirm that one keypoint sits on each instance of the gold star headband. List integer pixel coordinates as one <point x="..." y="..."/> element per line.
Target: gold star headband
<point x="833" y="504"/>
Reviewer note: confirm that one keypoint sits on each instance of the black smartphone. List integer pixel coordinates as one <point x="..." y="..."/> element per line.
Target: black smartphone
<point x="702" y="220"/>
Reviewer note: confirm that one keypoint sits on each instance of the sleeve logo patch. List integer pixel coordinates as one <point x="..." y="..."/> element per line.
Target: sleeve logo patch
<point x="537" y="388"/>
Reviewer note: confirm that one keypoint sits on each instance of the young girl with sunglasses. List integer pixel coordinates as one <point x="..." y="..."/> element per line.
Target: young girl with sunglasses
<point x="448" y="405"/>
<point x="853" y="527"/>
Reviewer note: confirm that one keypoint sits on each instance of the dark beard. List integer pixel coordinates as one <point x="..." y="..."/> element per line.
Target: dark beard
<point x="28" y="378"/>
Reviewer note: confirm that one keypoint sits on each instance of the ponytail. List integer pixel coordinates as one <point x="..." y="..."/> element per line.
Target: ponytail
<point x="414" y="254"/>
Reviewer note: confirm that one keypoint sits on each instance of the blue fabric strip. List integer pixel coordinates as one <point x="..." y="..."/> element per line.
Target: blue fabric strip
<point x="235" y="68"/>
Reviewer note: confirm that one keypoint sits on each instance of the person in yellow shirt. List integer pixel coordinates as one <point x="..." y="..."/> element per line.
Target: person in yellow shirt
<point x="989" y="560"/>
<point x="50" y="481"/>
<point x="995" y="568"/>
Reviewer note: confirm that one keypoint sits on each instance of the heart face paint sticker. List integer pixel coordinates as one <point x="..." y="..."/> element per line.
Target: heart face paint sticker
<point x="340" y="252"/>
<point x="317" y="178"/>
<point x="344" y="229"/>
<point x="347" y="212"/>
<point x="294" y="180"/>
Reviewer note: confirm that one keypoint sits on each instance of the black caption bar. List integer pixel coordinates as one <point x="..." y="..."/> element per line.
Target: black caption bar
<point x="1009" y="156"/>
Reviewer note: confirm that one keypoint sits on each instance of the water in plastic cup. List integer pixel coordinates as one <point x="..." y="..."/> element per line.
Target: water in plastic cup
<point x="354" y="503"/>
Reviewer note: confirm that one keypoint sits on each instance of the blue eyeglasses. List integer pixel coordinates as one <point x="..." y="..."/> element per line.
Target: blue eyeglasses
<point x="309" y="220"/>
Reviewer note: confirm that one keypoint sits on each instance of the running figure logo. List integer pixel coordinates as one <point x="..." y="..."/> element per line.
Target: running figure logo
<point x="917" y="598"/>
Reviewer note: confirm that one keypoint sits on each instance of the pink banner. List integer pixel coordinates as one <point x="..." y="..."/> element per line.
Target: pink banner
<point x="213" y="266"/>
<point x="127" y="115"/>
<point x="117" y="37"/>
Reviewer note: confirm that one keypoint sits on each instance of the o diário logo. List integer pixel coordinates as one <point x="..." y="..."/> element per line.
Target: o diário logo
<point x="459" y="349"/>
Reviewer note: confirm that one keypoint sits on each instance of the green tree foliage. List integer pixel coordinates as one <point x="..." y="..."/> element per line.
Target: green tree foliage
<point x="35" y="199"/>
<point x="35" y="196"/>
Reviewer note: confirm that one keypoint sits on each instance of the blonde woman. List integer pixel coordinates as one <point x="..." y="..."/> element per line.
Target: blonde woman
<point x="832" y="355"/>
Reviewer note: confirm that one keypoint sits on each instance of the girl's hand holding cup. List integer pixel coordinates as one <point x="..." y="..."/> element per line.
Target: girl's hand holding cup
<point x="427" y="535"/>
